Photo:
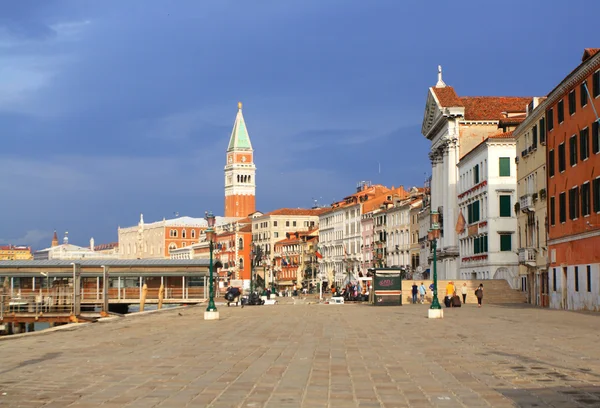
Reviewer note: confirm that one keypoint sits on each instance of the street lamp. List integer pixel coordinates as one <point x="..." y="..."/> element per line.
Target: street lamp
<point x="435" y="311"/>
<point x="252" y="255"/>
<point x="211" y="312"/>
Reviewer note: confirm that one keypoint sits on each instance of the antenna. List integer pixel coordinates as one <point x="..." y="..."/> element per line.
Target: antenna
<point x="176" y="213"/>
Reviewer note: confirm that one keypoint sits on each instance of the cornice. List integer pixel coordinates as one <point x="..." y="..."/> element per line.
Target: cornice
<point x="574" y="78"/>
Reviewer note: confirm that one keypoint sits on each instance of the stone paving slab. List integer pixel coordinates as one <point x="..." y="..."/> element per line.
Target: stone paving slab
<point x="312" y="356"/>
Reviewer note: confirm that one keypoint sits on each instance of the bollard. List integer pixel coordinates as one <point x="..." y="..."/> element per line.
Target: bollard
<point x="143" y="299"/>
<point x="161" y="296"/>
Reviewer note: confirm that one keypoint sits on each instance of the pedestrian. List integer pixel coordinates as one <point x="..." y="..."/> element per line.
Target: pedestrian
<point x="415" y="291"/>
<point x="422" y="291"/>
<point x="450" y="291"/>
<point x="464" y="292"/>
<point x="479" y="294"/>
<point x="431" y="287"/>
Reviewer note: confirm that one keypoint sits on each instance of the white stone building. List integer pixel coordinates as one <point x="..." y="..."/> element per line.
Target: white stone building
<point x="455" y="125"/>
<point x="487" y="192"/>
<point x="67" y="251"/>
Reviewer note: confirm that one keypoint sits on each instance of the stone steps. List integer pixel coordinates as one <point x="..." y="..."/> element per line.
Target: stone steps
<point x="494" y="291"/>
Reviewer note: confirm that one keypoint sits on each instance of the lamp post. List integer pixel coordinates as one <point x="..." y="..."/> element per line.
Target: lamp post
<point x="435" y="311"/>
<point x="211" y="312"/>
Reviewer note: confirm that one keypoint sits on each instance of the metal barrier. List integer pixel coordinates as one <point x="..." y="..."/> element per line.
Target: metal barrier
<point x="37" y="303"/>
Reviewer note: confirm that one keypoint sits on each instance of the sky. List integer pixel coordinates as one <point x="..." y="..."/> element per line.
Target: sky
<point x="112" y="109"/>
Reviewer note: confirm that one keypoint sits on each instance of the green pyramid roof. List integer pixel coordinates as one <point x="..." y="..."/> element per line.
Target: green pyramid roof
<point x="239" y="139"/>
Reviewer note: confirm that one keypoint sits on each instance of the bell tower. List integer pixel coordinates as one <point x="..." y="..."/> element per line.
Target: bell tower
<point x="240" y="184"/>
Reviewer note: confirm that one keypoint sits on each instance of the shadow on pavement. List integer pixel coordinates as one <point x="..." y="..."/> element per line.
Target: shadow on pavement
<point x="568" y="396"/>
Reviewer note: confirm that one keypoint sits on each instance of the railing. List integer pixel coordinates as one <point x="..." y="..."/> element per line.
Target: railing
<point x="526" y="203"/>
<point x="527" y="255"/>
<point x="40" y="302"/>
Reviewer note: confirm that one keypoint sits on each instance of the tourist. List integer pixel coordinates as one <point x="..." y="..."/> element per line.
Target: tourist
<point x="450" y="291"/>
<point x="464" y="292"/>
<point x="415" y="291"/>
<point x="479" y="294"/>
<point x="422" y="292"/>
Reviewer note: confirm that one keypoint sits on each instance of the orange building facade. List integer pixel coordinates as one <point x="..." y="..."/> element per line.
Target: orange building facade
<point x="573" y="176"/>
<point x="233" y="250"/>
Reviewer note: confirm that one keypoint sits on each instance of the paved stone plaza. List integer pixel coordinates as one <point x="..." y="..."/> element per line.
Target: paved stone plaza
<point x="312" y="356"/>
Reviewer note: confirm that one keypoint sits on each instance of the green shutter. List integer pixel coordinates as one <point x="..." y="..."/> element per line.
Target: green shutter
<point x="504" y="167"/>
<point x="476" y="246"/>
<point x="484" y="244"/>
<point x="476" y="174"/>
<point x="476" y="211"/>
<point x="505" y="242"/>
<point x="469" y="213"/>
<point x="505" y="210"/>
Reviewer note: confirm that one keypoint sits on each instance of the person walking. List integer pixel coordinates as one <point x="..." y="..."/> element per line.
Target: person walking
<point x="422" y="291"/>
<point x="415" y="291"/>
<point x="479" y="294"/>
<point x="464" y="292"/>
<point x="450" y="291"/>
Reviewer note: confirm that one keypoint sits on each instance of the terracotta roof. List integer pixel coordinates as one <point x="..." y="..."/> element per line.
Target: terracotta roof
<point x="513" y="121"/>
<point x="103" y="247"/>
<point x="492" y="107"/>
<point x="379" y="200"/>
<point x="246" y="228"/>
<point x="298" y="211"/>
<point x="588" y="53"/>
<point x="447" y="96"/>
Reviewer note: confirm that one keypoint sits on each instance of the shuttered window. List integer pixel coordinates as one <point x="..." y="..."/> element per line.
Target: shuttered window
<point x="504" y="167"/>
<point x="505" y="210"/>
<point x="505" y="242"/>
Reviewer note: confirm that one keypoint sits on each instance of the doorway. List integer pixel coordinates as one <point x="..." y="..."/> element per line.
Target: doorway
<point x="565" y="281"/>
<point x="544" y="284"/>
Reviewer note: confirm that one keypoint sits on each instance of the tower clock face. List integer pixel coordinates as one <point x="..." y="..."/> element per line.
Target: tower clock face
<point x="244" y="158"/>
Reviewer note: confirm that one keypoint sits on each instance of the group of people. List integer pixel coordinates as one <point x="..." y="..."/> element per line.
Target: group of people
<point x="419" y="292"/>
<point x="352" y="291"/>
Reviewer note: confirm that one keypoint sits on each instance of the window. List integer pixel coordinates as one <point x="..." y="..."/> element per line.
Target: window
<point x="561" y="157"/>
<point x="476" y="245"/>
<point x="542" y="130"/>
<point x="573" y="150"/>
<point x="476" y="174"/>
<point x="505" y="242"/>
<point x="576" y="275"/>
<point x="583" y="94"/>
<point x="574" y="203"/>
<point x="596" y="188"/>
<point x="484" y="240"/>
<point x="183" y="234"/>
<point x="572" y="102"/>
<point x="552" y="211"/>
<point x="584" y="144"/>
<point x="193" y="233"/>
<point x="287" y="223"/>
<point x="595" y="137"/>
<point x="562" y="207"/>
<point x="551" y="163"/>
<point x="560" y="111"/>
<point x="596" y="84"/>
<point x="274" y="223"/>
<point x="504" y="163"/>
<point x="554" y="280"/>
<point x="585" y="199"/>
<point x="473" y="212"/>
<point x="534" y="137"/>
<point x="589" y="277"/>
<point x="294" y="223"/>
<point x="550" y="119"/>
<point x="505" y="210"/>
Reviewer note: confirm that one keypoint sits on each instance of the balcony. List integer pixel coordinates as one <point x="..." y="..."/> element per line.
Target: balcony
<point x="527" y="256"/>
<point x="526" y="203"/>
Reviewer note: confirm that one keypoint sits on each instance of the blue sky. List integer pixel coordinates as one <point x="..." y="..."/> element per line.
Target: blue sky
<point x="112" y="109"/>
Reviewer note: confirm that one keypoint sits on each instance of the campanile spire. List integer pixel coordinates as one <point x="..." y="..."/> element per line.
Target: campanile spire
<point x="240" y="170"/>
